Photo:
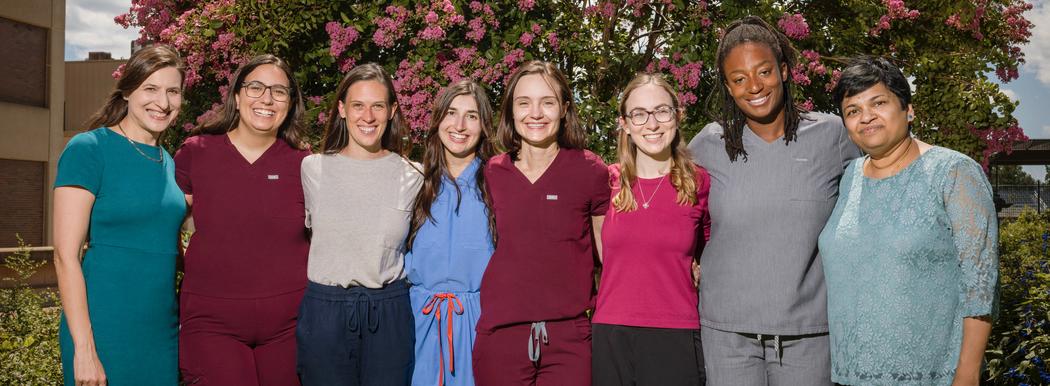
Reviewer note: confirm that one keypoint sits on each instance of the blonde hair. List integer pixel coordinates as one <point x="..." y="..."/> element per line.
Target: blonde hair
<point x="682" y="173"/>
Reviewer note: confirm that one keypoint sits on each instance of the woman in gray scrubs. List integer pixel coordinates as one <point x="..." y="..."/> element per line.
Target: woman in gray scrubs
<point x="774" y="180"/>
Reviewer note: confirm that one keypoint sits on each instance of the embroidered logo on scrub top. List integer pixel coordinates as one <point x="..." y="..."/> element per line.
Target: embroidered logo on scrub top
<point x="552" y="197"/>
<point x="273" y="177"/>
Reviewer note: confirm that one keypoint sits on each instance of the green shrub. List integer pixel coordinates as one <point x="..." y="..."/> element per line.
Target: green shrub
<point x="28" y="326"/>
<point x="1020" y="339"/>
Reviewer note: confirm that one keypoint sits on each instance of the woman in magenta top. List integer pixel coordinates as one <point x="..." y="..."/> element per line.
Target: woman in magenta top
<point x="546" y="192"/>
<point x="246" y="262"/>
<point x="646" y="324"/>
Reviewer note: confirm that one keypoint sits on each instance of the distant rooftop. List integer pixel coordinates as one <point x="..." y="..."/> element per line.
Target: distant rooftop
<point x="1030" y="152"/>
<point x="99" y="55"/>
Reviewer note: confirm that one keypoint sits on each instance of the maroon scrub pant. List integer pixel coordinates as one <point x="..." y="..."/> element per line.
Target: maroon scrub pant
<point x="233" y="342"/>
<point x="501" y="357"/>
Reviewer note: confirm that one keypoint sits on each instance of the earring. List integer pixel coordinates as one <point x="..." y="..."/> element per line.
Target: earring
<point x="910" y="117"/>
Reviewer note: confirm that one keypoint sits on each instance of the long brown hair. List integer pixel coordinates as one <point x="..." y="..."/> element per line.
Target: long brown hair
<point x="228" y="118"/>
<point x="336" y="135"/>
<point x="722" y="107"/>
<point x="683" y="173"/>
<point x="571" y="133"/>
<point x="435" y="166"/>
<point x="138" y="68"/>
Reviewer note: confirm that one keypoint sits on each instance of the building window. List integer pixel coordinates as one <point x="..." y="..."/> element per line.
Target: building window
<point x="24" y="66"/>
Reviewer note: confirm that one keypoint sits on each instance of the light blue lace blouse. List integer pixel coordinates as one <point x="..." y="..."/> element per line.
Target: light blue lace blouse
<point x="906" y="258"/>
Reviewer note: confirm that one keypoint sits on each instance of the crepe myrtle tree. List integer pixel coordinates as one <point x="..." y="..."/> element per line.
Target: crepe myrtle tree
<point x="948" y="49"/>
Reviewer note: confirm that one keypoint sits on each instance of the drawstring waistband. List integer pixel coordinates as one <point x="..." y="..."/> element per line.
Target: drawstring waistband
<point x="777" y="346"/>
<point x="370" y="311"/>
<point x="537" y="332"/>
<point x="454" y="307"/>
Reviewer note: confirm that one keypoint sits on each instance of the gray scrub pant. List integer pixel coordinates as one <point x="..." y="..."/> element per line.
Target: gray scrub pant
<point x="744" y="359"/>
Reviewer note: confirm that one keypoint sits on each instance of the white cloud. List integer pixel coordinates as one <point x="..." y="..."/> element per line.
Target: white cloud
<point x="90" y="27"/>
<point x="1010" y="94"/>
<point x="1037" y="51"/>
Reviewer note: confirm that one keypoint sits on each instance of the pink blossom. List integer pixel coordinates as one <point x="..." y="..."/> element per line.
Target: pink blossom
<point x="339" y="37"/>
<point x="514" y="56"/>
<point x="322" y="118"/>
<point x="798" y="75"/>
<point x="526" y="5"/>
<point x="119" y="72"/>
<point x="552" y="40"/>
<point x="315" y="99"/>
<point x="187" y="127"/>
<point x="477" y="29"/>
<point x="475" y="6"/>
<point x="835" y="75"/>
<point x="794" y="26"/>
<point x="807" y="105"/>
<point x="687" y="98"/>
<point x="346" y="64"/>
<point x="535" y="28"/>
<point x="433" y="32"/>
<point x="526" y="39"/>
<point x="431" y="17"/>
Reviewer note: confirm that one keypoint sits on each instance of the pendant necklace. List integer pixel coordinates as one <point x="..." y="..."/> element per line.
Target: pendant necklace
<point x="645" y="203"/>
<point x="160" y="157"/>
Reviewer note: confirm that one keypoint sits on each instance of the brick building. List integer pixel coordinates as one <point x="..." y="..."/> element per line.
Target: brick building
<point x="31" y="115"/>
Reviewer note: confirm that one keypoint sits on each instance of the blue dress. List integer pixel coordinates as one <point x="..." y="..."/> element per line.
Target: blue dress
<point x="129" y="267"/>
<point x="906" y="258"/>
<point x="445" y="266"/>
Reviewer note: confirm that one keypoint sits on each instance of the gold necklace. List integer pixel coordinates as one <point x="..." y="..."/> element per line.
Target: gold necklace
<point x="160" y="157"/>
<point x="871" y="161"/>
<point x="645" y="203"/>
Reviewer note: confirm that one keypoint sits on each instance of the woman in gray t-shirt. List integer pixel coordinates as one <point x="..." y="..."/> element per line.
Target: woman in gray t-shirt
<point x="355" y="320"/>
<point x="774" y="178"/>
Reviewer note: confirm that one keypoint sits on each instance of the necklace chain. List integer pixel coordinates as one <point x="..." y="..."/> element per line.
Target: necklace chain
<point x="160" y="157"/>
<point x="645" y="203"/>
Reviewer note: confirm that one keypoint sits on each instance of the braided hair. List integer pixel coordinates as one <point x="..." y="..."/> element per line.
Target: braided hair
<point x="722" y="107"/>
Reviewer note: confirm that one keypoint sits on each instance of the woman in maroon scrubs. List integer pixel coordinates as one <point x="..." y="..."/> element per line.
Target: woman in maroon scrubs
<point x="246" y="263"/>
<point x="546" y="192"/>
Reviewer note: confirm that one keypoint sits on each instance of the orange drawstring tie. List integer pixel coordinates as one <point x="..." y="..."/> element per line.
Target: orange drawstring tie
<point x="454" y="306"/>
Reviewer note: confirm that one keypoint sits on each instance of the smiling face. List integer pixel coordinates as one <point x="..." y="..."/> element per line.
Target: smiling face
<point x="653" y="137"/>
<point x="755" y="82"/>
<point x="537" y="111"/>
<point x="460" y="129"/>
<point x="155" y="104"/>
<point x="875" y="119"/>
<point x="264" y="113"/>
<point x="367" y="112"/>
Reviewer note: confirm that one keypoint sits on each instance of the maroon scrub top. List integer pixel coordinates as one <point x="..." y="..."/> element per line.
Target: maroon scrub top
<point x="250" y="238"/>
<point x="543" y="266"/>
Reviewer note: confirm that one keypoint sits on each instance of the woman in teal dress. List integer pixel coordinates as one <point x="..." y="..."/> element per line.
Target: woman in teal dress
<point x="119" y="324"/>
<point x="910" y="249"/>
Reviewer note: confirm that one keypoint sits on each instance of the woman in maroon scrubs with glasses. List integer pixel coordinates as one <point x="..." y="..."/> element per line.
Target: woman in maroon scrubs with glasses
<point x="246" y="263"/>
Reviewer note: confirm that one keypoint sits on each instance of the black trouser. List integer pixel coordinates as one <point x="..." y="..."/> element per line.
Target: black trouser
<point x="624" y="355"/>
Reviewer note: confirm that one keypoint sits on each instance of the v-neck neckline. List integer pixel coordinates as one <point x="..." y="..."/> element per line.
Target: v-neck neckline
<point x="226" y="138"/>
<point x="542" y="175"/>
<point x="759" y="139"/>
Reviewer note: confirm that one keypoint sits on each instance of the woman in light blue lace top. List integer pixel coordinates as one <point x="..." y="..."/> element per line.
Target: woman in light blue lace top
<point x="910" y="250"/>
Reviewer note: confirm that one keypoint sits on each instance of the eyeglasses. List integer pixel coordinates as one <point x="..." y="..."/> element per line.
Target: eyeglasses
<point x="641" y="116"/>
<point x="255" y="89"/>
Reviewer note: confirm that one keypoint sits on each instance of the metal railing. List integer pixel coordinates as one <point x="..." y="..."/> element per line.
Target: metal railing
<point x="1016" y="198"/>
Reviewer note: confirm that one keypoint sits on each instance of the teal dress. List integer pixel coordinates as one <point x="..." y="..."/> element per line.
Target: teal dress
<point x="906" y="258"/>
<point x="129" y="267"/>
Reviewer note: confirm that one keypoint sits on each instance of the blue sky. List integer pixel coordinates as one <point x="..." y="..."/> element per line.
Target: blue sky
<point x="90" y="27"/>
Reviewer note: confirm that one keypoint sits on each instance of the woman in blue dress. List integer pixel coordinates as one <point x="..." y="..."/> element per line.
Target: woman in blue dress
<point x="119" y="325"/>
<point x="910" y="249"/>
<point x="451" y="239"/>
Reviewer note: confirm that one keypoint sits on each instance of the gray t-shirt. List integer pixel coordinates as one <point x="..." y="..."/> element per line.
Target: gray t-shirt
<point x="760" y="272"/>
<point x="359" y="212"/>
